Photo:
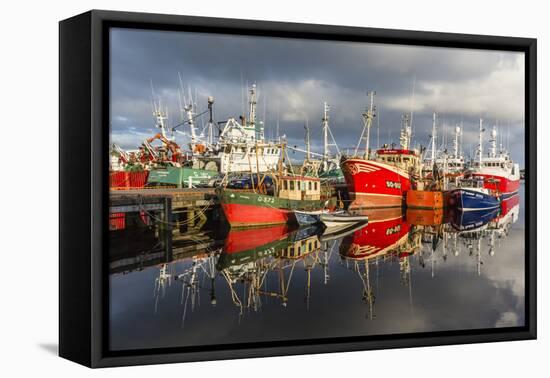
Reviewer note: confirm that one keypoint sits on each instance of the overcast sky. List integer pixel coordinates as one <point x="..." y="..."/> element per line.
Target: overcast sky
<point x="294" y="78"/>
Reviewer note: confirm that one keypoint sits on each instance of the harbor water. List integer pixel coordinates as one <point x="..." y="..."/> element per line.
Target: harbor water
<point x="404" y="272"/>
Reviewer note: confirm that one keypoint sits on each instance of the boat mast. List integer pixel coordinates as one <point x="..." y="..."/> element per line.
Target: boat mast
<point x="405" y="137"/>
<point x="412" y="103"/>
<point x="160" y="117"/>
<point x="308" y="146"/>
<point x="158" y="113"/>
<point x="493" y="142"/>
<point x="280" y="164"/>
<point x="210" y="121"/>
<point x="434" y="138"/>
<point x="480" y="147"/>
<point x="327" y="144"/>
<point x="326" y="151"/>
<point x="190" y="114"/>
<point x="367" y="117"/>
<point x="456" y="151"/>
<point x="188" y="110"/>
<point x="252" y="109"/>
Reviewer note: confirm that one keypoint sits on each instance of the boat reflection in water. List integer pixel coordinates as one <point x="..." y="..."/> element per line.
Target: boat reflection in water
<point x="253" y="271"/>
<point x="249" y="255"/>
<point x="386" y="238"/>
<point x="393" y="236"/>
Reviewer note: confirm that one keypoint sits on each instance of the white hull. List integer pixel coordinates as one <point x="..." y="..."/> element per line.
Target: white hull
<point x="342" y="220"/>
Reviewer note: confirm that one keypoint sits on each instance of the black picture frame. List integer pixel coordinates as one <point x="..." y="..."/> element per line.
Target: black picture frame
<point x="83" y="183"/>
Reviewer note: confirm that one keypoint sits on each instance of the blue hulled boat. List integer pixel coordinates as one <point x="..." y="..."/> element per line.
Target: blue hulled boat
<point x="474" y="200"/>
<point x="472" y="196"/>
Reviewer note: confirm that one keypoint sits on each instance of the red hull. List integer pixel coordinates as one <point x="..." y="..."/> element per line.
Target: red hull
<point x="508" y="204"/>
<point x="239" y="215"/>
<point x="374" y="201"/>
<point x="373" y="184"/>
<point x="375" y="239"/>
<point x="242" y="240"/>
<point x="500" y="184"/>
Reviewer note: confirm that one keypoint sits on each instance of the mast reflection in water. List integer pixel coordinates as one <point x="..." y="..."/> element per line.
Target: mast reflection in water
<point x="406" y="271"/>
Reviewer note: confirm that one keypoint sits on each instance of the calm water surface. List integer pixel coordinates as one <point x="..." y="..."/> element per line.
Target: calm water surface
<point x="406" y="271"/>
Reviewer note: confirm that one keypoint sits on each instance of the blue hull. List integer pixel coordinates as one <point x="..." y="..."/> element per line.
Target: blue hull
<point x="471" y="200"/>
<point x="472" y="220"/>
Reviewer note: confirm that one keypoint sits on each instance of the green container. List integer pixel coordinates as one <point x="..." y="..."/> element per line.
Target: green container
<point x="179" y="176"/>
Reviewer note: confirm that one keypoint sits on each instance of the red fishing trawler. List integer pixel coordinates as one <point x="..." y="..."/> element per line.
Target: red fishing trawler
<point x="255" y="207"/>
<point x="383" y="180"/>
<point x="499" y="173"/>
<point x="265" y="205"/>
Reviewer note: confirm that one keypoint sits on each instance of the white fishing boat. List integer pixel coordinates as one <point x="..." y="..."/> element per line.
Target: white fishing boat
<point x="499" y="172"/>
<point x="332" y="233"/>
<point x="452" y="165"/>
<point x="342" y="219"/>
<point x="441" y="162"/>
<point x="240" y="146"/>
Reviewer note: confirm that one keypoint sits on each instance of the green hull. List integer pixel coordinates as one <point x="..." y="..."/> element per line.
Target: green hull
<point x="179" y="177"/>
<point x="243" y="257"/>
<point x="270" y="241"/>
<point x="239" y="197"/>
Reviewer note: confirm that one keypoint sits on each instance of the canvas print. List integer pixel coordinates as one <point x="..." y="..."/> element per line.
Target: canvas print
<point x="275" y="189"/>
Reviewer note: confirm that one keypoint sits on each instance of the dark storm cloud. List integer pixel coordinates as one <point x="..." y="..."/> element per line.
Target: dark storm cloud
<point x="294" y="77"/>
